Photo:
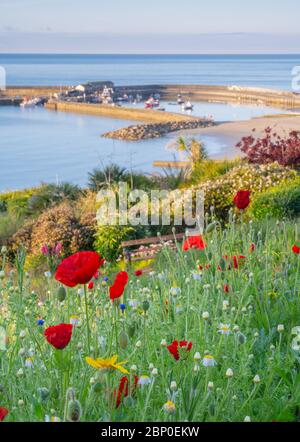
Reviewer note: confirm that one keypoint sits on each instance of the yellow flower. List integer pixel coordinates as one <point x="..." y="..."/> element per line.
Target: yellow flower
<point x="107" y="364"/>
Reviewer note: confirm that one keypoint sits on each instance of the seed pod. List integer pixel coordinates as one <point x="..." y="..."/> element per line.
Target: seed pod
<point x="61" y="294"/>
<point x="123" y="340"/>
<point x="74" y="411"/>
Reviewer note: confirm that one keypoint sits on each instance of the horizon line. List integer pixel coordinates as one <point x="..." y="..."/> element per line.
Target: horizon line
<point x="150" y="53"/>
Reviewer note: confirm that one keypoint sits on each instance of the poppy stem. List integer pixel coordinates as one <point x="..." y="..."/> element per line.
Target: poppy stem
<point x="87" y="318"/>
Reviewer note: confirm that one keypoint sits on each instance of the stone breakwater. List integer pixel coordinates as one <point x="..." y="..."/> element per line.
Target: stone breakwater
<point x="155" y="130"/>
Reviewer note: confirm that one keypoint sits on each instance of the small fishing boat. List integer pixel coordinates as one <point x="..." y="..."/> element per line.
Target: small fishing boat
<point x="27" y="102"/>
<point x="151" y="102"/>
<point x="187" y="106"/>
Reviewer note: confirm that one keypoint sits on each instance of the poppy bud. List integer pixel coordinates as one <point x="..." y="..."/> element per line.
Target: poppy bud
<point x="211" y="227"/>
<point x="145" y="305"/>
<point x="123" y="340"/>
<point x="241" y="338"/>
<point x="223" y="264"/>
<point x="61" y="294"/>
<point x="74" y="411"/>
<point x="44" y="393"/>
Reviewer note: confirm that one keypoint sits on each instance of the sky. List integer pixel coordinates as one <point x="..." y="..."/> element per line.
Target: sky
<point x="132" y="26"/>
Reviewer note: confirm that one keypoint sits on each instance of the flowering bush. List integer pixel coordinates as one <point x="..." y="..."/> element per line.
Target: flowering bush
<point x="272" y="147"/>
<point x="220" y="192"/>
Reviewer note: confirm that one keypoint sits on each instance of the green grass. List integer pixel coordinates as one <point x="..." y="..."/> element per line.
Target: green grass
<point x="263" y="293"/>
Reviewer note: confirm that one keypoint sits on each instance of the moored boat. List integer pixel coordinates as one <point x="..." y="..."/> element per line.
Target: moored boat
<point x="152" y="102"/>
<point x="27" y="102"/>
<point x="187" y="106"/>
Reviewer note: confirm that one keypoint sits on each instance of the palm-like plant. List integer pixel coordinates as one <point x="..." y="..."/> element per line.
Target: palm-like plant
<point x="100" y="178"/>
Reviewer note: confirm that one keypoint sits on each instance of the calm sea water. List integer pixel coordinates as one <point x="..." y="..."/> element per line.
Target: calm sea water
<point x="37" y="145"/>
<point x="272" y="71"/>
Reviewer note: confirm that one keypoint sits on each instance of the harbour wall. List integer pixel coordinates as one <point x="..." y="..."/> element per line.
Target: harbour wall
<point x="102" y="110"/>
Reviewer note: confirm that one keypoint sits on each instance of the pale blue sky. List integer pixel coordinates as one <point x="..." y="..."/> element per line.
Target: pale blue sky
<point x="131" y="17"/>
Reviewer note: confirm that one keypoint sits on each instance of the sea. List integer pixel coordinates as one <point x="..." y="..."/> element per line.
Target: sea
<point x="37" y="145"/>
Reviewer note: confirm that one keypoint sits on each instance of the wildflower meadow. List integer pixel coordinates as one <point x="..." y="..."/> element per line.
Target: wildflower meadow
<point x="207" y="332"/>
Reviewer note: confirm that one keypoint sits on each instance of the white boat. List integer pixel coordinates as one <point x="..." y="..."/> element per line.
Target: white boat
<point x="187" y="106"/>
<point x="30" y="102"/>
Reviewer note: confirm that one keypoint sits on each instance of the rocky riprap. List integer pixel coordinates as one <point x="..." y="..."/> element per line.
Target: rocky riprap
<point x="155" y="130"/>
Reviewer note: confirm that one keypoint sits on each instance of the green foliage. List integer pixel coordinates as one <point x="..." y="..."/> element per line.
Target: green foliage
<point x="9" y="224"/>
<point x="52" y="194"/>
<point x="33" y="201"/>
<point x="108" y="240"/>
<point x="209" y="169"/>
<point x="280" y="201"/>
<point x="13" y="199"/>
<point x="99" y="178"/>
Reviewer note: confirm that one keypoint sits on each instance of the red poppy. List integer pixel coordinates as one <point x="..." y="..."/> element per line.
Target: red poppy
<point x="226" y="288"/>
<point x="296" y="249"/>
<point x="194" y="242"/>
<point x="237" y="260"/>
<point x="78" y="268"/>
<point x="59" y="336"/>
<point x="242" y="199"/>
<point x="174" y="348"/>
<point x="118" y="287"/>
<point x="252" y="248"/>
<point x="123" y="389"/>
<point x="138" y="272"/>
<point x="3" y="413"/>
<point x="90" y="285"/>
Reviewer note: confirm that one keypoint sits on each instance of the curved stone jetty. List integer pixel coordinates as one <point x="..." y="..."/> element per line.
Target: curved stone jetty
<point x="156" y="130"/>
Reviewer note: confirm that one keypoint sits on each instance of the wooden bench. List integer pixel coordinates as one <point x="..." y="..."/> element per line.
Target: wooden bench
<point x="141" y="252"/>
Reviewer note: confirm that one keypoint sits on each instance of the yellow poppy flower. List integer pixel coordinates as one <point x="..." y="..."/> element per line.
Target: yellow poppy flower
<point x="107" y="364"/>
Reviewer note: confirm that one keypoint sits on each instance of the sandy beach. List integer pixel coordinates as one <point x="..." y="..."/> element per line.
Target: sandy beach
<point x="232" y="132"/>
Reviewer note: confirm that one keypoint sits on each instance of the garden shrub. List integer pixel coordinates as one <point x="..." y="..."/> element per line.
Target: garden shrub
<point x="108" y="240"/>
<point x="219" y="192"/>
<point x="278" y="202"/>
<point x="54" y="225"/>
